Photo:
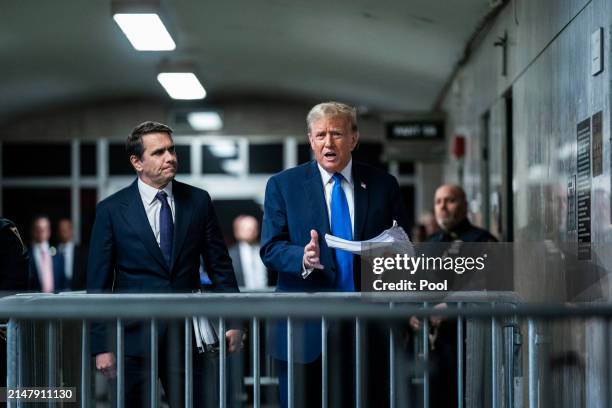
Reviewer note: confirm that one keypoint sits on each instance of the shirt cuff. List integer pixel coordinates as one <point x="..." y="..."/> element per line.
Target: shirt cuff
<point x="306" y="271"/>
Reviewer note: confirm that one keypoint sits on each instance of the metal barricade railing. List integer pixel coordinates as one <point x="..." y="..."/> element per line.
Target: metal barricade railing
<point x="499" y="307"/>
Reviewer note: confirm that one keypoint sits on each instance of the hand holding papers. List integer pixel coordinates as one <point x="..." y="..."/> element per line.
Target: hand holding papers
<point x="205" y="335"/>
<point x="393" y="239"/>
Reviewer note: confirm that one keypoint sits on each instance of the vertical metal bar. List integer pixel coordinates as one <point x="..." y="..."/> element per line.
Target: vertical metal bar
<point x="494" y="363"/>
<point x="154" y="357"/>
<point x="460" y="353"/>
<point x="357" y="362"/>
<point x="425" y="342"/>
<point x="120" y="365"/>
<point x="11" y="357"/>
<point x="509" y="365"/>
<point x="51" y="353"/>
<point x="255" y="363"/>
<point x="289" y="363"/>
<point x="222" y="364"/>
<point x="323" y="362"/>
<point x="20" y="352"/>
<point x="85" y="364"/>
<point x="391" y="364"/>
<point x="532" y="367"/>
<point x="608" y="350"/>
<point x="188" y="363"/>
<point x="51" y="357"/>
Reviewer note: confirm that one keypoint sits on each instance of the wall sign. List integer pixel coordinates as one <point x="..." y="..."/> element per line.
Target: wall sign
<point x="596" y="126"/>
<point x="583" y="181"/>
<point x="415" y="130"/>
<point x="571" y="203"/>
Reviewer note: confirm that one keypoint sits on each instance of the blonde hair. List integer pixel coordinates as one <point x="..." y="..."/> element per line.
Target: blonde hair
<point x="332" y="109"/>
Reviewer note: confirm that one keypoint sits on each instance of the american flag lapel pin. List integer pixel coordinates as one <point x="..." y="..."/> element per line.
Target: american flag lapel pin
<point x="363" y="185"/>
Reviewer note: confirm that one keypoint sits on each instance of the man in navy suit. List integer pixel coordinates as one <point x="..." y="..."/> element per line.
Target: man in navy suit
<point x="47" y="268"/>
<point x="148" y="238"/>
<point x="333" y="195"/>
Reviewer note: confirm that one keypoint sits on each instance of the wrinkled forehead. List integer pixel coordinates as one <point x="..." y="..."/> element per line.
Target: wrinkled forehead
<point x="337" y="121"/>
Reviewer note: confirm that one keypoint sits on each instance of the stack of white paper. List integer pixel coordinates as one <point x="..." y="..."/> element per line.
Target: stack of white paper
<point x="394" y="239"/>
<point x="205" y="335"/>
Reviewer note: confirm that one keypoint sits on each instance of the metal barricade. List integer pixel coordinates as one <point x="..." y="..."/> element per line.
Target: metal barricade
<point x="500" y="308"/>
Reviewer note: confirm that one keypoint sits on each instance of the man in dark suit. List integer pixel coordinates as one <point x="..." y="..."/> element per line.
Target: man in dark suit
<point x="47" y="264"/>
<point x="148" y="238"/>
<point x="75" y="256"/>
<point x="333" y="195"/>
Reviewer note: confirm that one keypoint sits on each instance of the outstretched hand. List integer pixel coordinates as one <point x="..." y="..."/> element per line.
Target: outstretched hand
<point x="312" y="252"/>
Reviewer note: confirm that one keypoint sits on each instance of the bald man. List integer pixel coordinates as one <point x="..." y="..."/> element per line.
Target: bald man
<point x="450" y="206"/>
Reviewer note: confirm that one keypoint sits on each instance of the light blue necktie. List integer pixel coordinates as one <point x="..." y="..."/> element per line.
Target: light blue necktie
<point x="341" y="227"/>
<point x="166" y="227"/>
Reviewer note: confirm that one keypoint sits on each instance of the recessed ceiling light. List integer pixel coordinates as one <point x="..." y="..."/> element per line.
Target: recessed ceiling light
<point x="145" y="31"/>
<point x="205" y="120"/>
<point x="182" y="85"/>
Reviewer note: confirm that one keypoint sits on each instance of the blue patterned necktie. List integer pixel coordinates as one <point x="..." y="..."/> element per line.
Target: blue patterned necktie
<point x="341" y="227"/>
<point x="166" y="226"/>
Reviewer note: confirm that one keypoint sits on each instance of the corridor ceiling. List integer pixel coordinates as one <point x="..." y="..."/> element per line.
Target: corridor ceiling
<point x="386" y="55"/>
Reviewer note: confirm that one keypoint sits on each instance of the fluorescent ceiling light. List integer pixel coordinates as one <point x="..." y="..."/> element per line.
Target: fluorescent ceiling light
<point x="145" y="31"/>
<point x="182" y="85"/>
<point x="205" y="121"/>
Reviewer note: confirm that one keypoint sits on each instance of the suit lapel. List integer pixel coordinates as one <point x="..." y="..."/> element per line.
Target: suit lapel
<point x="136" y="217"/>
<point x="361" y="201"/>
<point x="313" y="188"/>
<point x="183" y="212"/>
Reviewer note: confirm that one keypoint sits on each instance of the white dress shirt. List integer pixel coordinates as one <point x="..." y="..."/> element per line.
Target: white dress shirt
<point x="349" y="190"/>
<point x="152" y="205"/>
<point x="253" y="270"/>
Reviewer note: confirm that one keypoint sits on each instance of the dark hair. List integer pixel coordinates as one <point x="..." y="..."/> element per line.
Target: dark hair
<point x="133" y="144"/>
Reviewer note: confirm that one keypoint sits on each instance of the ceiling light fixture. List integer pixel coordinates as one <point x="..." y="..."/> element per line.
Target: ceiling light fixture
<point x="205" y="121"/>
<point x="182" y="85"/>
<point x="141" y="23"/>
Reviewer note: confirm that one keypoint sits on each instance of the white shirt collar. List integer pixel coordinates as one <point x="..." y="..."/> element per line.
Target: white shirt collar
<point x="41" y="246"/>
<point x="147" y="193"/>
<point x="347" y="173"/>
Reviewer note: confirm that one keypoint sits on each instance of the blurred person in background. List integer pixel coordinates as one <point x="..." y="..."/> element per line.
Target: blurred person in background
<point x="75" y="256"/>
<point x="451" y="210"/>
<point x="47" y="264"/>
<point x="428" y="221"/>
<point x="251" y="273"/>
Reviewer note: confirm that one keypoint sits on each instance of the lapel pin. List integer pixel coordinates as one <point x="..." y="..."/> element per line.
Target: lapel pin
<point x="363" y="185"/>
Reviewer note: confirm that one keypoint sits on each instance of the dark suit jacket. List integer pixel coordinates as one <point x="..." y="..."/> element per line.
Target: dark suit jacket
<point x="79" y="269"/>
<point x="14" y="259"/>
<point x="295" y="204"/>
<point x="59" y="279"/>
<point x="125" y="257"/>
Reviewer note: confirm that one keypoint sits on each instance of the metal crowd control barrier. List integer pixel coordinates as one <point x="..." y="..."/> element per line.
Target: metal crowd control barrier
<point x="499" y="308"/>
